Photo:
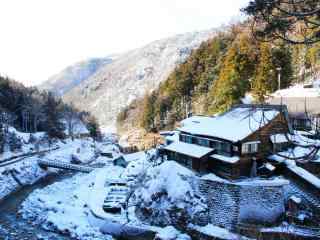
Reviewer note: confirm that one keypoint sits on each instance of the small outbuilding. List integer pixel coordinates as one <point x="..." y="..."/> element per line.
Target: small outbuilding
<point x="120" y="161"/>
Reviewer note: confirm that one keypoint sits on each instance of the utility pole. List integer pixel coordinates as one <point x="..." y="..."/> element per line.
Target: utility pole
<point x="279" y="77"/>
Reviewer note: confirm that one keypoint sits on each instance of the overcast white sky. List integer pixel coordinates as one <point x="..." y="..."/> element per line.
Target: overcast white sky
<point x="41" y="37"/>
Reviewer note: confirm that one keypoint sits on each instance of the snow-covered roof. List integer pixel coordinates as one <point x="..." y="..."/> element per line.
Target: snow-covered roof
<point x="315" y="181"/>
<point x="167" y="133"/>
<point x="264" y="182"/>
<point x="174" y="137"/>
<point x="226" y="159"/>
<point x="78" y="127"/>
<point x="233" y="125"/>
<point x="269" y="166"/>
<point x="213" y="177"/>
<point x="298" y="99"/>
<point x="295" y="199"/>
<point x="278" y="138"/>
<point x="298" y="90"/>
<point x="191" y="150"/>
<point x="253" y="182"/>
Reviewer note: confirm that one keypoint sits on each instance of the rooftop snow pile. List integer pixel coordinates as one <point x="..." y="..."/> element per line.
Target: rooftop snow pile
<point x="167" y="177"/>
<point x="189" y="149"/>
<point x="167" y="196"/>
<point x="279" y="138"/>
<point x="246" y="121"/>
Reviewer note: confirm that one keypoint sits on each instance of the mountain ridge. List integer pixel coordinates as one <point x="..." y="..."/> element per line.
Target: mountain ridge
<point x="73" y="75"/>
<point x="132" y="74"/>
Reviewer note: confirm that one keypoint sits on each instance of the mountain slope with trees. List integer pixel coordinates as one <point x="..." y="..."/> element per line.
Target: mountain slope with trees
<point x="218" y="75"/>
<point x="132" y="74"/>
<point x="30" y="110"/>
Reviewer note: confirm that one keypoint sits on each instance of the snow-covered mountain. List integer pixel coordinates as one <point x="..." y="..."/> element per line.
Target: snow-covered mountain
<point x="131" y="74"/>
<point x="73" y="75"/>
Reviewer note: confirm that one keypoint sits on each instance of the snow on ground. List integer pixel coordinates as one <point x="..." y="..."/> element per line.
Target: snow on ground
<point x="170" y="233"/>
<point x="27" y="146"/>
<point x="69" y="206"/>
<point x="99" y="191"/>
<point x="167" y="196"/>
<point x="74" y="206"/>
<point x="63" y="207"/>
<point x="27" y="171"/>
<point x="218" y="232"/>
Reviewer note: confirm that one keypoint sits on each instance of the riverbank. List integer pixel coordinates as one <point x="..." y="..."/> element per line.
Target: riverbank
<point x="21" y="178"/>
<point x="27" y="171"/>
<point x="12" y="225"/>
<point x="62" y="207"/>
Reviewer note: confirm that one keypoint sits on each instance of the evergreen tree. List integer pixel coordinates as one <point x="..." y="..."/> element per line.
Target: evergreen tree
<point x="282" y="58"/>
<point x="148" y="116"/>
<point x="265" y="81"/>
<point x="2" y="140"/>
<point x="54" y="126"/>
<point x="233" y="81"/>
<point x="94" y="128"/>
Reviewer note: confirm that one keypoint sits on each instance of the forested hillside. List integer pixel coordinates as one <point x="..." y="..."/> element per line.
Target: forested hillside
<point x="30" y="110"/>
<point x="219" y="74"/>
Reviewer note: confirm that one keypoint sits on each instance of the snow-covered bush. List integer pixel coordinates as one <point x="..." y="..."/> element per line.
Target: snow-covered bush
<point x="170" y="233"/>
<point x="2" y="139"/>
<point x="13" y="141"/>
<point x="168" y="196"/>
<point x="32" y="139"/>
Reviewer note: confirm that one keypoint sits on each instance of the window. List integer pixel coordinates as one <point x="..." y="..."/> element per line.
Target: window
<point x="182" y="138"/>
<point x="203" y="142"/>
<point x="222" y="148"/>
<point x="225" y="147"/>
<point x="188" y="139"/>
<point x="279" y="147"/>
<point x="185" y="138"/>
<point x="250" y="147"/>
<point x="188" y="162"/>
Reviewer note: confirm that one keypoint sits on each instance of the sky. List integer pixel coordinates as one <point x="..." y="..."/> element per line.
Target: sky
<point x="39" y="38"/>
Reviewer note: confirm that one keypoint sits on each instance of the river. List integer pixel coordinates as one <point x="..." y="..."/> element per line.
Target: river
<point x="13" y="227"/>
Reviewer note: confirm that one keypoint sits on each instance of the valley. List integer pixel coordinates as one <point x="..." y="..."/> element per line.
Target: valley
<point x="210" y="134"/>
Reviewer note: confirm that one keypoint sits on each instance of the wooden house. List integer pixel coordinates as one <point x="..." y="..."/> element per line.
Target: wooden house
<point x="233" y="144"/>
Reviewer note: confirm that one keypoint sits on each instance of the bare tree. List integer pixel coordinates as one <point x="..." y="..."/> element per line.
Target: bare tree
<point x="294" y="21"/>
<point x="71" y="117"/>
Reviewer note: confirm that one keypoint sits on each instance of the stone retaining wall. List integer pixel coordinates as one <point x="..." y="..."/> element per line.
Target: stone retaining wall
<point x="233" y="203"/>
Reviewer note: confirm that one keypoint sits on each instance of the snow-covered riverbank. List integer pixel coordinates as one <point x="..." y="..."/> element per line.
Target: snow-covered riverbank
<point x="27" y="171"/>
<point x="74" y="205"/>
<point x="63" y="207"/>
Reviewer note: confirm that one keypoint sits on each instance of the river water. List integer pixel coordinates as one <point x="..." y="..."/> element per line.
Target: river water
<point x="13" y="227"/>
